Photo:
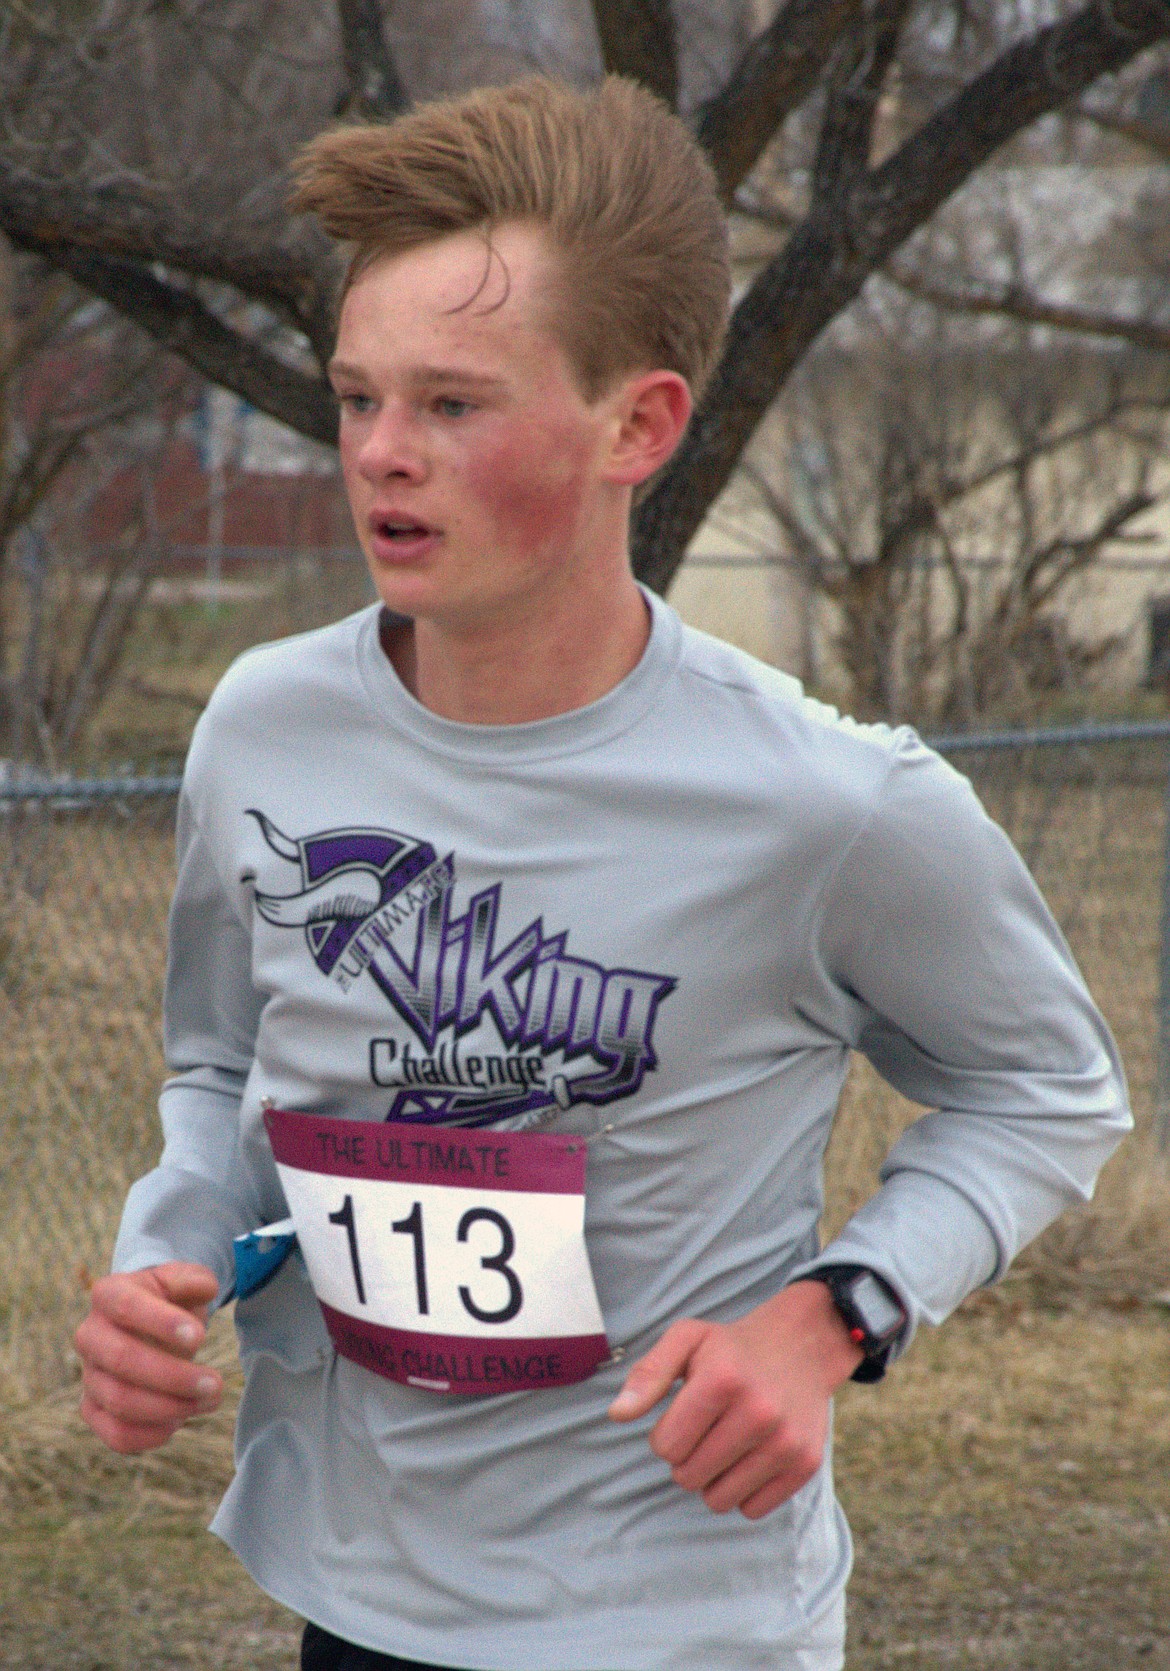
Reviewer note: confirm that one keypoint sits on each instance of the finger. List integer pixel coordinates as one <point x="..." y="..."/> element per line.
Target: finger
<point x="106" y="1348"/>
<point x="138" y="1303"/>
<point x="656" y="1371"/>
<point x="127" y="1438"/>
<point x="185" y="1284"/>
<point x="770" y="1496"/>
<point x="769" y="1473"/>
<point x="145" y="1406"/>
<point x="714" y="1388"/>
<point x="727" y="1440"/>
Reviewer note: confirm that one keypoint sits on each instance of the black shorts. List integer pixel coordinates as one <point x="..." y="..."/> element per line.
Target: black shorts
<point x="322" y="1652"/>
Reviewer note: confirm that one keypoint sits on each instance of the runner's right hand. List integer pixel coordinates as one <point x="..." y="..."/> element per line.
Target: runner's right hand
<point x="137" y="1346"/>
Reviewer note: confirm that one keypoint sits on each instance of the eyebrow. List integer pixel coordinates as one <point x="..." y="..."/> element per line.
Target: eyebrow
<point x="427" y="376"/>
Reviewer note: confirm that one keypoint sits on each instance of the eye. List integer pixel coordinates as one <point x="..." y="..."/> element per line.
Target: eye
<point x="450" y="406"/>
<point x="356" y="404"/>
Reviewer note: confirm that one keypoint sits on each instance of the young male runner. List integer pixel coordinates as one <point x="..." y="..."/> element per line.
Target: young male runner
<point x="513" y="887"/>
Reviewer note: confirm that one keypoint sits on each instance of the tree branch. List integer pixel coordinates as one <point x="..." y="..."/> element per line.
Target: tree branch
<point x="835" y="249"/>
<point x="371" y="78"/>
<point x="180" y="321"/>
<point x="1038" y="75"/>
<point x="1015" y="302"/>
<point x="774" y="76"/>
<point x="638" y="39"/>
<point x="1058" y="559"/>
<point x="1155" y="139"/>
<point x="147" y="226"/>
<point x="855" y="84"/>
<point x="768" y="214"/>
<point x="23" y="489"/>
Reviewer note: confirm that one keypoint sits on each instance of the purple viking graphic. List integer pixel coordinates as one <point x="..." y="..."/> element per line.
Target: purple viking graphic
<point x="346" y="875"/>
<point x="494" y="1032"/>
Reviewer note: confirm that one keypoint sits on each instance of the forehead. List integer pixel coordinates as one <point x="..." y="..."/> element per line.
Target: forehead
<point x="483" y="298"/>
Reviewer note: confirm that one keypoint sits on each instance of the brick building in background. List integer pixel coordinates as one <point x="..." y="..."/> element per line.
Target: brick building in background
<point x="234" y="486"/>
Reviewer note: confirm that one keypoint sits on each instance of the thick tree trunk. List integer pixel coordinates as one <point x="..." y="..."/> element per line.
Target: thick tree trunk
<point x="844" y="239"/>
<point x="137" y="248"/>
<point x="637" y="39"/>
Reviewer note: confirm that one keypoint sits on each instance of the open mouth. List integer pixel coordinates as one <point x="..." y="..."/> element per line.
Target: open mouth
<point x="402" y="531"/>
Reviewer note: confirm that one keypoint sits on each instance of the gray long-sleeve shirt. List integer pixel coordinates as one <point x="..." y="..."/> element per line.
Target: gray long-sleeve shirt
<point x="684" y="905"/>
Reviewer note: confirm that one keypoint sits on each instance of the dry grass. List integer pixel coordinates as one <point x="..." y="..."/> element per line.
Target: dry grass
<point x="1009" y="1484"/>
<point x="82" y="907"/>
<point x="182" y="645"/>
<point x="82" y="912"/>
<point x="1009" y="1491"/>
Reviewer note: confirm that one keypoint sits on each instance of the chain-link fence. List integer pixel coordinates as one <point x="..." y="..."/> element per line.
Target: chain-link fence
<point x="1086" y="806"/>
<point x="84" y="888"/>
<point x="85" y="875"/>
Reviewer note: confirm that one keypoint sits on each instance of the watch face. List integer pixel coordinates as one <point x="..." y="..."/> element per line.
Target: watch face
<point x="881" y="1315"/>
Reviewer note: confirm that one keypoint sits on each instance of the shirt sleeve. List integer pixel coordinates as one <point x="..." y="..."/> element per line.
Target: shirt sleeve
<point x="937" y="951"/>
<point x="198" y="1198"/>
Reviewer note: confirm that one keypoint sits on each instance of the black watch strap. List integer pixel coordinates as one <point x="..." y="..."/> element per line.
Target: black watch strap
<point x="872" y="1312"/>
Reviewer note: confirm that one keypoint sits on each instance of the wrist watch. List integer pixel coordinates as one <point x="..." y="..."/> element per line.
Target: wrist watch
<point x="872" y="1312"/>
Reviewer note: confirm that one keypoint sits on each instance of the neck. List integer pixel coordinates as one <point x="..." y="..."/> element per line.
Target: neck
<point x="514" y="670"/>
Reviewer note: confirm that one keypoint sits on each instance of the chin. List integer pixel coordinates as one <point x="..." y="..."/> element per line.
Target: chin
<point x="403" y="593"/>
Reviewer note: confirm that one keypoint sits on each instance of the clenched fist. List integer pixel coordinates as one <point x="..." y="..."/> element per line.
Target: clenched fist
<point x="137" y="1346"/>
<point x="747" y="1428"/>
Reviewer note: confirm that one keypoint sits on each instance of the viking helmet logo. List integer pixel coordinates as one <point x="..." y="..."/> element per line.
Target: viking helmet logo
<point x="345" y="875"/>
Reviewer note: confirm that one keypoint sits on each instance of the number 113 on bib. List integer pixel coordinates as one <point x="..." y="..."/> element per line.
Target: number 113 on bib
<point x="450" y="1260"/>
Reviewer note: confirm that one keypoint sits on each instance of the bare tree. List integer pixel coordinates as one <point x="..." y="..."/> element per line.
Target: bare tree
<point x="1125" y="295"/>
<point x="83" y="398"/>
<point x="946" y="496"/>
<point x="173" y="212"/>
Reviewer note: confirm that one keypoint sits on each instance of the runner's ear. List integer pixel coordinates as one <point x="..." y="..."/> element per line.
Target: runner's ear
<point x="651" y="412"/>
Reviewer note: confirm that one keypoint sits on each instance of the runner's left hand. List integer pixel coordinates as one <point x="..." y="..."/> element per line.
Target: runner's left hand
<point x="748" y="1426"/>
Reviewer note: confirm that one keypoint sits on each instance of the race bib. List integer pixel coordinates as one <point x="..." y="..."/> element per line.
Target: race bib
<point x="445" y="1258"/>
